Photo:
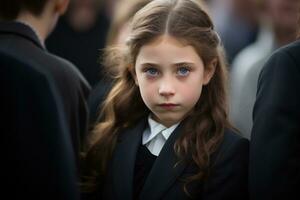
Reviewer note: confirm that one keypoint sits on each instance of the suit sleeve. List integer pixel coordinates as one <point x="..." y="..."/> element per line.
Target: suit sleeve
<point x="274" y="169"/>
<point x="38" y="161"/>
<point x="229" y="175"/>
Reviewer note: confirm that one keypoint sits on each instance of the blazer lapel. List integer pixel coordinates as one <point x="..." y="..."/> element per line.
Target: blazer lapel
<point x="163" y="173"/>
<point x="124" y="161"/>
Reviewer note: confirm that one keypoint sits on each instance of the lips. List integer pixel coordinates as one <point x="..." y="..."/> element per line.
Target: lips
<point x="168" y="105"/>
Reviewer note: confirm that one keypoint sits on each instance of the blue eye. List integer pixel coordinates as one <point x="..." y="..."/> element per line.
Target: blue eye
<point x="151" y="72"/>
<point x="183" y="71"/>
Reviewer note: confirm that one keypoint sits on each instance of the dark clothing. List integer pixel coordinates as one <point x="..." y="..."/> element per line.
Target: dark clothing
<point x="96" y="99"/>
<point x="143" y="164"/>
<point x="166" y="179"/>
<point x="84" y="49"/>
<point x="37" y="159"/>
<point x="20" y="42"/>
<point x="275" y="140"/>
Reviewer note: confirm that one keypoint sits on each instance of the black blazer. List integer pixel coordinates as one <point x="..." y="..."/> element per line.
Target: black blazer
<point x="20" y="42"/>
<point x="228" y="178"/>
<point x="37" y="160"/>
<point x="275" y="140"/>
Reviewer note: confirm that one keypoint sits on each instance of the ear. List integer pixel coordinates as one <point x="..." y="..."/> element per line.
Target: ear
<point x="61" y="6"/>
<point x="209" y="71"/>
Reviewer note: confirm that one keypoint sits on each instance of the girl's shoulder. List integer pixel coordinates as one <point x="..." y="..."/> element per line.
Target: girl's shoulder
<point x="230" y="136"/>
<point x="231" y="146"/>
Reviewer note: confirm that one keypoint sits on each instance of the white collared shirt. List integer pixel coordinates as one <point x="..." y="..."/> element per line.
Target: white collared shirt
<point x="155" y="136"/>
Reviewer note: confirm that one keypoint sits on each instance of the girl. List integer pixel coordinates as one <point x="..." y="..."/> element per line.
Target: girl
<point x="164" y="133"/>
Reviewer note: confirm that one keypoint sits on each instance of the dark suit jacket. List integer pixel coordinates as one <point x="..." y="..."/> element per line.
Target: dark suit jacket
<point x="228" y="178"/>
<point x="20" y="42"/>
<point x="37" y="159"/>
<point x="275" y="140"/>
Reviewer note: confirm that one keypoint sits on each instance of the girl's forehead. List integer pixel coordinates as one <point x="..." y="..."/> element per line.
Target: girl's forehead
<point x="166" y="38"/>
<point x="166" y="42"/>
<point x="167" y="49"/>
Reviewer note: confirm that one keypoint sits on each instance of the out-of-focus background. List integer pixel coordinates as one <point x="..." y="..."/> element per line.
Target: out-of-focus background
<point x="250" y="31"/>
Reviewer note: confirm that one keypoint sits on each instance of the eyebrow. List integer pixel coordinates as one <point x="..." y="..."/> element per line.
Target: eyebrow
<point x="184" y="63"/>
<point x="175" y="64"/>
<point x="146" y="64"/>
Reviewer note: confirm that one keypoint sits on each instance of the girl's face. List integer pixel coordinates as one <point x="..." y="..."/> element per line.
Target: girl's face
<point x="170" y="76"/>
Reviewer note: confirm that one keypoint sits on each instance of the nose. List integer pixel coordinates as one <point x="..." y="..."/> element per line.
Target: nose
<point x="166" y="88"/>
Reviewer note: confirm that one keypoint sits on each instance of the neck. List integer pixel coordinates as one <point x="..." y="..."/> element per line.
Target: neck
<point x="42" y="25"/>
<point x="35" y="24"/>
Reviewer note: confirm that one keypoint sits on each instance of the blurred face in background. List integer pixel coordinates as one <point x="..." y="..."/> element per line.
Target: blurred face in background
<point x="82" y="14"/>
<point x="246" y="9"/>
<point x="284" y="13"/>
<point x="84" y="5"/>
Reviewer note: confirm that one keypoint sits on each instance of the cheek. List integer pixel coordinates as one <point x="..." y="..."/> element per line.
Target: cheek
<point x="191" y="92"/>
<point x="147" y="91"/>
<point x="191" y="95"/>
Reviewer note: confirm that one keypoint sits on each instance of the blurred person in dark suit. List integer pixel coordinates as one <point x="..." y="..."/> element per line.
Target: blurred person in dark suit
<point x="278" y="27"/>
<point x="23" y="29"/>
<point x="80" y="35"/>
<point x="275" y="138"/>
<point x="45" y="105"/>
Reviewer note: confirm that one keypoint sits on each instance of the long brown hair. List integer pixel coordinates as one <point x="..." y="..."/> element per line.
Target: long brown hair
<point x="203" y="130"/>
<point x="125" y="10"/>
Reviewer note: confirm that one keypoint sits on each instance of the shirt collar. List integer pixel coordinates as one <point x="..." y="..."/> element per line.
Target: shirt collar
<point x="155" y="128"/>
